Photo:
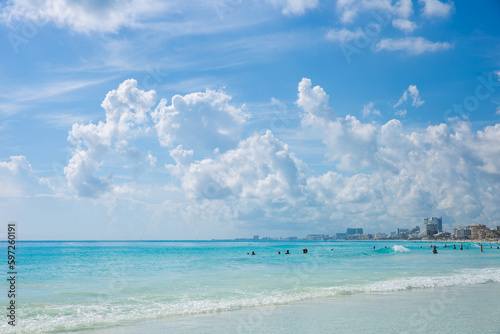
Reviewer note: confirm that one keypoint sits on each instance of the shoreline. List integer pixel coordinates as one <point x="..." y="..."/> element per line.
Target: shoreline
<point x="424" y="310"/>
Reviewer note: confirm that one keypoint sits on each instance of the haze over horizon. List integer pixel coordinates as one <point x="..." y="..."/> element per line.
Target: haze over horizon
<point x="225" y="119"/>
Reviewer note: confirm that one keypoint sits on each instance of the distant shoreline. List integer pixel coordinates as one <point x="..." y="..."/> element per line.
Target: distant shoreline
<point x="260" y="240"/>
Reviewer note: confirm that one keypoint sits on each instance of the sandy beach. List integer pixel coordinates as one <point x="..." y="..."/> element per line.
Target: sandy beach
<point x="462" y="309"/>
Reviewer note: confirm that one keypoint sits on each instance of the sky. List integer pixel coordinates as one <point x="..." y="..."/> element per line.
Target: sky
<point x="147" y="119"/>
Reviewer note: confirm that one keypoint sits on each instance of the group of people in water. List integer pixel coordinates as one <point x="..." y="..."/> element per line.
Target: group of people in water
<point x="434" y="249"/>
<point x="287" y="252"/>
<point x="461" y="247"/>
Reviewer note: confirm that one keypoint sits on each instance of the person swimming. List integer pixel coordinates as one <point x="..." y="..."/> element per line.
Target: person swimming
<point x="304" y="251"/>
<point x="434" y="251"/>
<point x="279" y="252"/>
<point x="374" y="247"/>
<point x="253" y="253"/>
<point x="454" y="247"/>
<point x="287" y="252"/>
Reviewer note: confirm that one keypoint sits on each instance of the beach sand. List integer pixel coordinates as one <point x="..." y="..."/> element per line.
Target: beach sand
<point x="462" y="309"/>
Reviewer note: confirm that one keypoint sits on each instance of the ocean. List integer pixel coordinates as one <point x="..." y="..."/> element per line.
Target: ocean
<point x="218" y="286"/>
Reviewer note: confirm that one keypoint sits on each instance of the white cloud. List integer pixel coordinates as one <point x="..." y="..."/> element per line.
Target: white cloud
<point x="126" y="119"/>
<point x="368" y="109"/>
<point x="412" y="91"/>
<point x="18" y="179"/>
<point x="436" y="8"/>
<point x="486" y="147"/>
<point x="204" y="121"/>
<point x="295" y="7"/>
<point x="350" y="143"/>
<point x="405" y="25"/>
<point x="381" y="173"/>
<point x="411" y="45"/>
<point x="349" y="9"/>
<point x="260" y="180"/>
<point x="86" y="16"/>
<point x="438" y="169"/>
<point x="401" y="112"/>
<point x="47" y="90"/>
<point x="314" y="100"/>
<point x="435" y="170"/>
<point x="343" y="35"/>
<point x="260" y="167"/>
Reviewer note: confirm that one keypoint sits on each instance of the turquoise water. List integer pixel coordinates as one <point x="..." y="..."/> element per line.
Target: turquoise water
<point x="73" y="286"/>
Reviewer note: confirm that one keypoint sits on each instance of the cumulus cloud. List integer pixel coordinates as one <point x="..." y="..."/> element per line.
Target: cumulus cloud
<point x="313" y="100"/>
<point x="435" y="170"/>
<point x="350" y="143"/>
<point x="84" y="16"/>
<point x="378" y="173"/>
<point x="204" y="121"/>
<point x="260" y="166"/>
<point x="19" y="180"/>
<point x="411" y="45"/>
<point x="436" y="8"/>
<point x="407" y="174"/>
<point x="126" y="119"/>
<point x="412" y="92"/>
<point x="295" y="7"/>
<point x="261" y="177"/>
<point x="486" y="148"/>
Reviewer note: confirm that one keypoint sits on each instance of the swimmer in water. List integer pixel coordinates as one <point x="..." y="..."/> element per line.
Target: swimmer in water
<point x="434" y="251"/>
<point x="287" y="252"/>
<point x="253" y="253"/>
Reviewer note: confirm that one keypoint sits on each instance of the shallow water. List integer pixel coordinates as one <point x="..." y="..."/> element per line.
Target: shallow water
<point x="76" y="286"/>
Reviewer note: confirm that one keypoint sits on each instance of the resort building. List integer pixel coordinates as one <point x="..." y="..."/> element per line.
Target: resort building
<point x="315" y="237"/>
<point x="340" y="236"/>
<point x="351" y="231"/>
<point x="430" y="229"/>
<point x="434" y="220"/>
<point x="478" y="232"/>
<point x="379" y="236"/>
<point x="462" y="232"/>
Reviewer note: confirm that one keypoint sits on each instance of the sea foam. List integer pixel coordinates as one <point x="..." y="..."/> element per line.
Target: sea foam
<point x="400" y="249"/>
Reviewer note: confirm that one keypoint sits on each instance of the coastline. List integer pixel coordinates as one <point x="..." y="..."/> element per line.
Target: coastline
<point x="457" y="309"/>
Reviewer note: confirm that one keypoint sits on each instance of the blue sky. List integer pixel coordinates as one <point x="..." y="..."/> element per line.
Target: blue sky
<point x="228" y="118"/>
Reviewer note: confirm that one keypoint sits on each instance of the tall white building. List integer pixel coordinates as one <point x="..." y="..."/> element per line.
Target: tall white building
<point x="462" y="232"/>
<point x="434" y="220"/>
